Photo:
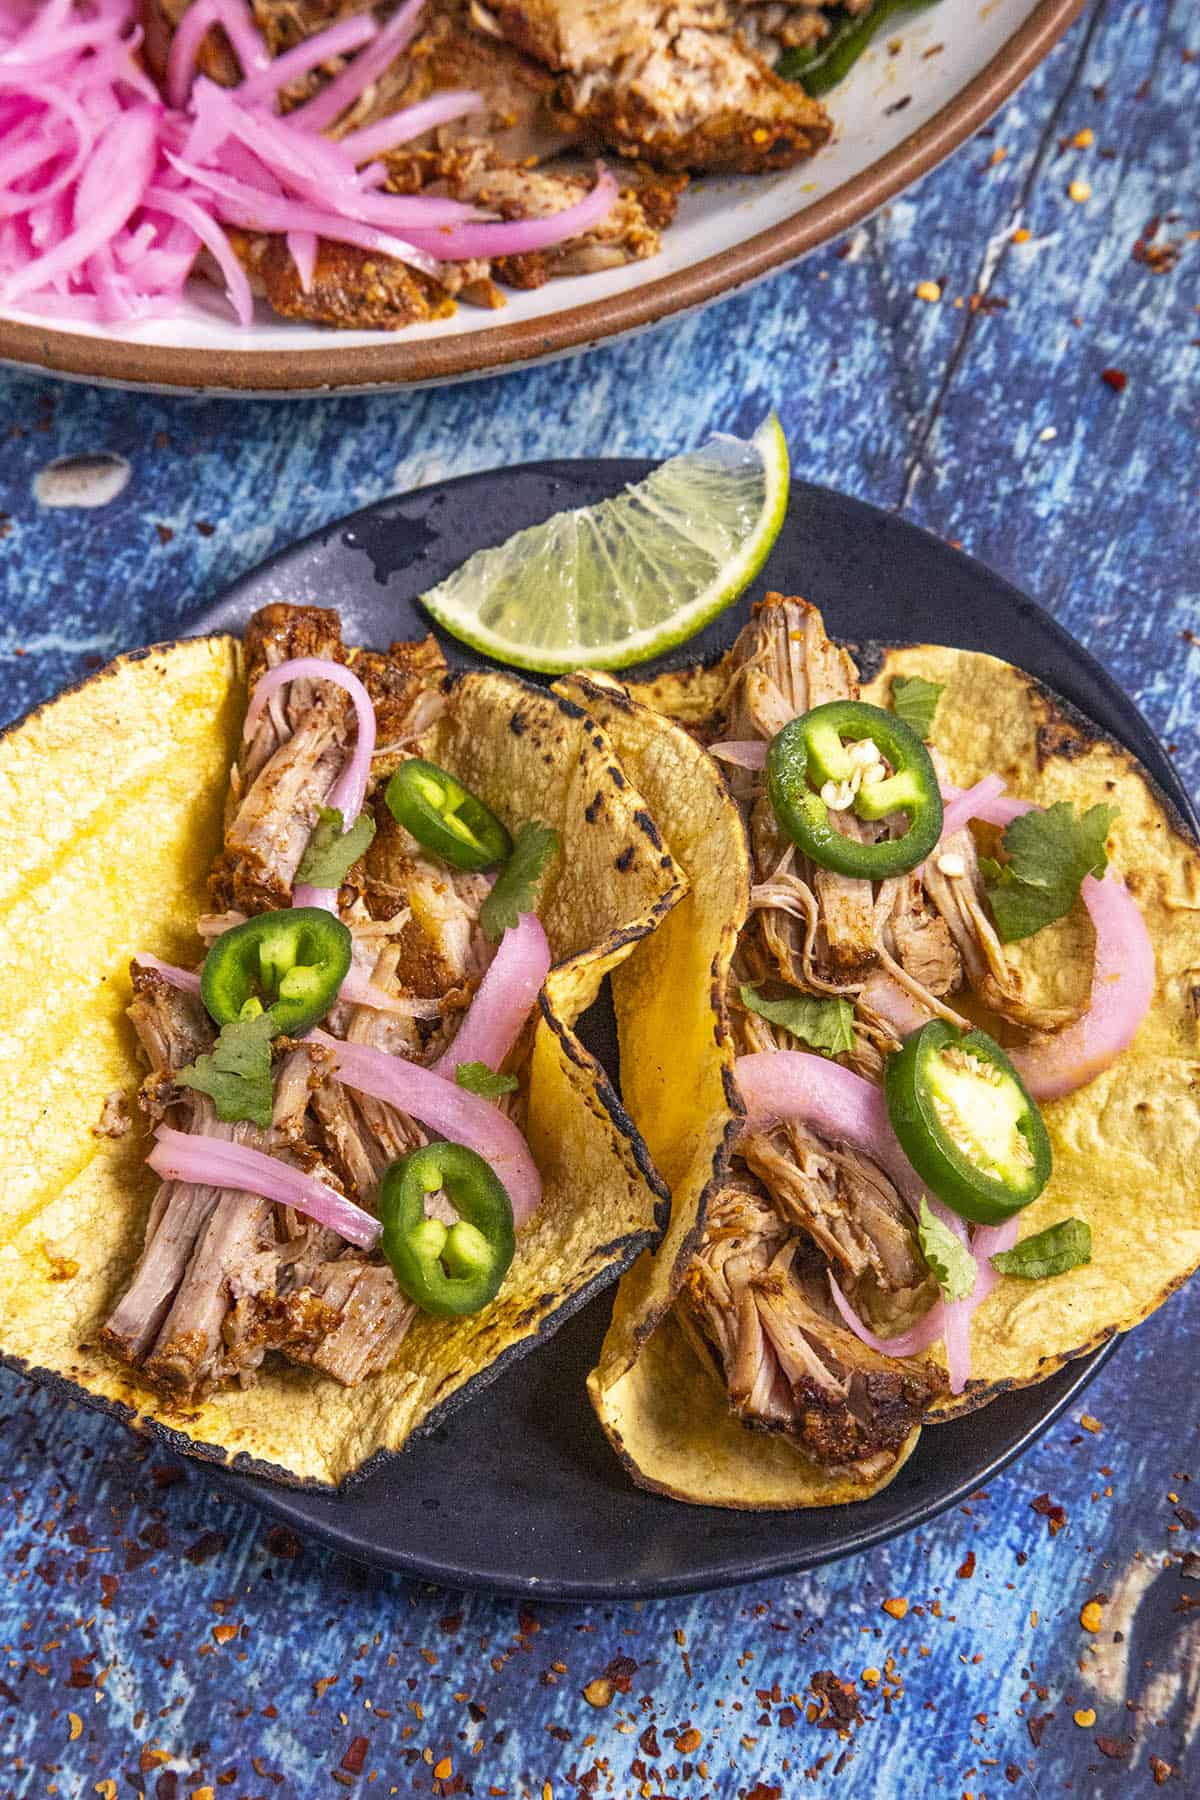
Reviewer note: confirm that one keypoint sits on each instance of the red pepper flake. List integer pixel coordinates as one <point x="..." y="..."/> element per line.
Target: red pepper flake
<point x="208" y="1545"/>
<point x="451" y="1622"/>
<point x="1161" y="1770"/>
<point x="1054" y="1514"/>
<point x="356" y="1755"/>
<point x="108" y="1591"/>
<point x="167" y="1786"/>
<point x="688" y="1741"/>
<point x="838" y="1706"/>
<point x="527" y="1624"/>
<point x="761" y="1791"/>
<point x="81" y="1676"/>
<point x="1116" y="1749"/>
<point x="204" y="528"/>
<point x="1116" y="379"/>
<point x="648" y="1743"/>
<point x="967" y="1566"/>
<point x="1187" y="1518"/>
<point x="1013" y="1773"/>
<point x="1037" y="1727"/>
<point x="165" y="534"/>
<point x="166" y="1476"/>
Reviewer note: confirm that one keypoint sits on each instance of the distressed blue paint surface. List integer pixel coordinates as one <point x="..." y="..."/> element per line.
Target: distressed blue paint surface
<point x="115" y="1556"/>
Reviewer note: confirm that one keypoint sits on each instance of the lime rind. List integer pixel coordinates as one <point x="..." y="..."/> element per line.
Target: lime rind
<point x="617" y="583"/>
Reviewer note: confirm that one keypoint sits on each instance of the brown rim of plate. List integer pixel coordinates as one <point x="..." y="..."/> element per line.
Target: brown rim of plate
<point x="408" y="362"/>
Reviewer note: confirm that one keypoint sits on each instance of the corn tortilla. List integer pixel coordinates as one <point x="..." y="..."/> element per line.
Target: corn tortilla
<point x="113" y="796"/>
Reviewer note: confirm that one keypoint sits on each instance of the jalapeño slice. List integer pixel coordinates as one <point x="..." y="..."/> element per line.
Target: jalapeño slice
<point x="446" y="817"/>
<point x="966" y="1122"/>
<point x="289" y="964"/>
<point x="446" y="1269"/>
<point x="811" y="752"/>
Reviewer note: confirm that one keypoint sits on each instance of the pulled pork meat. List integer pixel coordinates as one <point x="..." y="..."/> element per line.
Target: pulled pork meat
<point x="798" y="1209"/>
<point x="754" y="1306"/>
<point x="225" y="1278"/>
<point x="670" y="88"/>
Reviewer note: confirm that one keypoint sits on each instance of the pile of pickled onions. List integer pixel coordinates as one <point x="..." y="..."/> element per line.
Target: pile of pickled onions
<point x="111" y="190"/>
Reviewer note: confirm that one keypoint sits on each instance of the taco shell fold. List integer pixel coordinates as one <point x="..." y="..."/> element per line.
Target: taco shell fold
<point x="113" y="796"/>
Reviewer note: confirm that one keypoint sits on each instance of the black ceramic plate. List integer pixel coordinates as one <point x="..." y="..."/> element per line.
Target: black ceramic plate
<point x="519" y="1491"/>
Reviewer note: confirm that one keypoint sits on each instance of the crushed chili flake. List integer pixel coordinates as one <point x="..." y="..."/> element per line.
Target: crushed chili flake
<point x="967" y="1567"/>
<point x="897" y="1607"/>
<point x="1036" y="1727"/>
<point x="1116" y="379"/>
<point x="688" y="1741"/>
<point x="1090" y="1424"/>
<point x="761" y="1791"/>
<point x="1187" y="1518"/>
<point x="1054" y="1514"/>
<point x="1117" y="1749"/>
<point x="838" y="1705"/>
<point x="1161" y="1770"/>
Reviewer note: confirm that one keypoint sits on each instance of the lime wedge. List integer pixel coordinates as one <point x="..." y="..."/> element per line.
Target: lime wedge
<point x="609" y="585"/>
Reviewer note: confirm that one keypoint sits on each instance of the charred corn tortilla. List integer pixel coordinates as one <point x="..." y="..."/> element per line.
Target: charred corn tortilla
<point x="113" y="796"/>
<point x="665" y="1414"/>
<point x="1126" y="1146"/>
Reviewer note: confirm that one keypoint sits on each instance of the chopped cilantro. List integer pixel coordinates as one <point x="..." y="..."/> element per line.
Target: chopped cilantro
<point x="950" y="1262"/>
<point x="237" y="1073"/>
<point x="826" y="1025"/>
<point x="477" y="1078"/>
<point x="915" y="701"/>
<point x="516" y="886"/>
<point x="1067" y="1245"/>
<point x="332" y="850"/>
<point x="1049" y="853"/>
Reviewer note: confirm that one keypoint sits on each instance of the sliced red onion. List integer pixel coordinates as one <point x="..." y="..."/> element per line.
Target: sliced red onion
<point x="215" y="1162"/>
<point x="503" y="1000"/>
<point x="302" y="248"/>
<point x="1123" y="976"/>
<point x="338" y="40"/>
<point x="351" y="784"/>
<point x="325" y="898"/>
<point x="445" y="1108"/>
<point x="927" y="1331"/>
<point x="209" y="233"/>
<point x="517" y="237"/>
<point x="359" y="991"/>
<point x="354" y="80"/>
<point x="411" y="122"/>
<point x="960" y="804"/>
<point x="778" y="1085"/>
<point x="750" y="753"/>
<point x="184" y="979"/>
<point x="237" y="22"/>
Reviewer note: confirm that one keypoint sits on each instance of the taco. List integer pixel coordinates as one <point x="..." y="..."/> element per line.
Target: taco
<point x="945" y="1133"/>
<point x="303" y="1145"/>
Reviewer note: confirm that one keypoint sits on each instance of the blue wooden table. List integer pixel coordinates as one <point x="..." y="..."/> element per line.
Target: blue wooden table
<point x="156" y="1638"/>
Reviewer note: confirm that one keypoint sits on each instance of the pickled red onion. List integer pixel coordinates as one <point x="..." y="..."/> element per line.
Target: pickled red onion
<point x="443" y="1107"/>
<point x="778" y="1085"/>
<point x="183" y="979"/>
<point x="503" y="1000"/>
<point x="215" y="1162"/>
<point x="351" y="785"/>
<point x="107" y="197"/>
<point x="960" y="803"/>
<point x="1123" y="975"/>
<point x="929" y="1328"/>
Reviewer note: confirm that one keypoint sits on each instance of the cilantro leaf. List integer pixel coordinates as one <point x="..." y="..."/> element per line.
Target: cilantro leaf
<point x="915" y="701"/>
<point x="333" y="850"/>
<point x="950" y="1262"/>
<point x="1067" y="1245"/>
<point x="826" y="1025"/>
<point x="516" y="886"/>
<point x="1049" y="853"/>
<point x="237" y="1073"/>
<point x="477" y="1078"/>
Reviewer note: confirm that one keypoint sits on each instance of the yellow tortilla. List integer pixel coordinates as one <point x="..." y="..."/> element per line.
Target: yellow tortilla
<point x="663" y="1411"/>
<point x="1126" y="1147"/>
<point x="111" y="817"/>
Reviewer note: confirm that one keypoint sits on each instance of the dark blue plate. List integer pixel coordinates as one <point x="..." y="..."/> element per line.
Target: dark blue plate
<point x="519" y="1491"/>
